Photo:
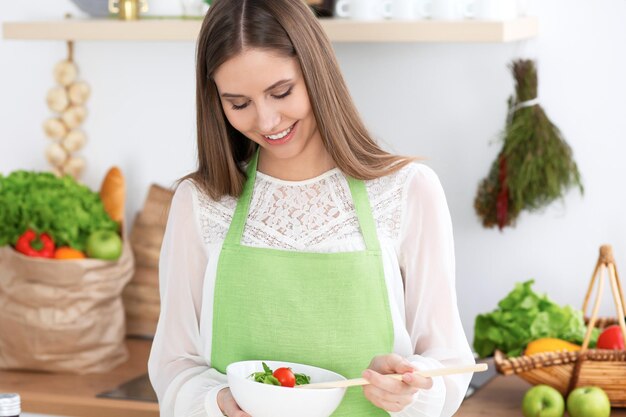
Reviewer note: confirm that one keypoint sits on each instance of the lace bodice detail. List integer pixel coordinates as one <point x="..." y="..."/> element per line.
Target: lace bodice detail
<point x="307" y="215"/>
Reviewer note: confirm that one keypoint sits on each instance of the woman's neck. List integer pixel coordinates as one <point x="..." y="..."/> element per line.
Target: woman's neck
<point x="303" y="167"/>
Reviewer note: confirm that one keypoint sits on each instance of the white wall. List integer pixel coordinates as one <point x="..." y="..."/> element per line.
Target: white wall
<point x="445" y="102"/>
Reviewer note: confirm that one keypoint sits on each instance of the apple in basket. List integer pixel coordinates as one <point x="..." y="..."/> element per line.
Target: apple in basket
<point x="588" y="402"/>
<point x="543" y="401"/>
<point x="104" y="244"/>
<point x="269" y="399"/>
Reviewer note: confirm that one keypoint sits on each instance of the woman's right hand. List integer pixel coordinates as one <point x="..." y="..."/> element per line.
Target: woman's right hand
<point x="228" y="405"/>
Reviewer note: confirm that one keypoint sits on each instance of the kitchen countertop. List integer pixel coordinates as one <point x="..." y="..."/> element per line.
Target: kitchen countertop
<point x="75" y="395"/>
<point x="502" y="397"/>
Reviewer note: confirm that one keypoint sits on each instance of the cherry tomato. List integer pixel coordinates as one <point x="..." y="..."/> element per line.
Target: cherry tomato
<point x="611" y="338"/>
<point x="285" y="376"/>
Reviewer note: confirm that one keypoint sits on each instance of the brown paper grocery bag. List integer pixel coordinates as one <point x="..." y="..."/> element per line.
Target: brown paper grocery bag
<point x="62" y="315"/>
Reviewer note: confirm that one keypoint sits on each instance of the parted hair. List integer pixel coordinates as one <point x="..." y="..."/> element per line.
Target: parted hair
<point x="288" y="28"/>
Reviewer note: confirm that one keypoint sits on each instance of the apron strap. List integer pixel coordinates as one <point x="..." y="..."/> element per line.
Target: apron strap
<point x="235" y="231"/>
<point x="359" y="197"/>
<point x="364" y="213"/>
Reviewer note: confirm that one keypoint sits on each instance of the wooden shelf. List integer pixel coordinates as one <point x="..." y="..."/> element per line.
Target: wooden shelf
<point x="337" y="29"/>
<point x="431" y="30"/>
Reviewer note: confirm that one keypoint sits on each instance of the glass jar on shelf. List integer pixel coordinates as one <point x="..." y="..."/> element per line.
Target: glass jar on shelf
<point x="10" y="405"/>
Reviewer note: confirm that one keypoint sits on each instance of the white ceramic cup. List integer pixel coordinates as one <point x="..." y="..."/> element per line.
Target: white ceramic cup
<point x="485" y="10"/>
<point x="164" y="8"/>
<point x="410" y="9"/>
<point x="493" y="9"/>
<point x="194" y="8"/>
<point x="403" y="9"/>
<point x="523" y="7"/>
<point x="508" y="9"/>
<point x="449" y="9"/>
<point x="363" y="9"/>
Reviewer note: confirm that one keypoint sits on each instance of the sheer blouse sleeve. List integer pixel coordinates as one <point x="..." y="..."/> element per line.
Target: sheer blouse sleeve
<point x="184" y="381"/>
<point x="426" y="257"/>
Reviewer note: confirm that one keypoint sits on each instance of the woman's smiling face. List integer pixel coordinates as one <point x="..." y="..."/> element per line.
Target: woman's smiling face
<point x="264" y="96"/>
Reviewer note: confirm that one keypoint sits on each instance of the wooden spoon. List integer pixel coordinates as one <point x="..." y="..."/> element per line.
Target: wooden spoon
<point x="479" y="367"/>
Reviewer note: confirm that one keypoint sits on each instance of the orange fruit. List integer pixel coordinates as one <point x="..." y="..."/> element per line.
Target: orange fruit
<point x="65" y="252"/>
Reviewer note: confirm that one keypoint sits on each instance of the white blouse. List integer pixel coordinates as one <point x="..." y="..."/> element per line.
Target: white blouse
<point x="316" y="215"/>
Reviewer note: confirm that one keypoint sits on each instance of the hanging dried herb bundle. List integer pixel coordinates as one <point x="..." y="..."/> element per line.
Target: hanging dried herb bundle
<point x="534" y="166"/>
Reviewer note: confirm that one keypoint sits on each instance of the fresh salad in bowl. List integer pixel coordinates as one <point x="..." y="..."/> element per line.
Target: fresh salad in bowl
<point x="282" y="376"/>
<point x="258" y="387"/>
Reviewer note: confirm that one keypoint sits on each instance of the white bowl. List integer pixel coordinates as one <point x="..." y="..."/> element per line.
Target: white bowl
<point x="264" y="400"/>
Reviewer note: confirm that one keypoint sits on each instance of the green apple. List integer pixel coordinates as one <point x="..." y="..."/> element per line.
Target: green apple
<point x="588" y="402"/>
<point x="104" y="244"/>
<point x="543" y="401"/>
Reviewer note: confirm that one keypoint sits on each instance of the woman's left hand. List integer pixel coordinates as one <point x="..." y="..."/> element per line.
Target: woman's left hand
<point x="388" y="393"/>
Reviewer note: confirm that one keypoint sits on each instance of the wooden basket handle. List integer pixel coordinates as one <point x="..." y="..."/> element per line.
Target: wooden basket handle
<point x="618" y="297"/>
<point x="605" y="261"/>
<point x="596" y="305"/>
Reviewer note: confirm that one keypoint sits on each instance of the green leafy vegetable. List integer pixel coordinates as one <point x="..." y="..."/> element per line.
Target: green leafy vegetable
<point x="523" y="316"/>
<point x="267" y="377"/>
<point x="66" y="210"/>
<point x="302" y="379"/>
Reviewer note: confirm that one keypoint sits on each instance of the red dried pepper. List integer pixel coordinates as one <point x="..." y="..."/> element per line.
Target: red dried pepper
<point x="30" y="244"/>
<point x="502" y="200"/>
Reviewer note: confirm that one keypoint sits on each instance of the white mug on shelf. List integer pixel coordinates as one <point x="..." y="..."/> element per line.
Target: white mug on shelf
<point x="508" y="9"/>
<point x="403" y="9"/>
<point x="449" y="9"/>
<point x="194" y="8"/>
<point x="410" y="9"/>
<point x="493" y="9"/>
<point x="363" y="9"/>
<point x="164" y="8"/>
<point x="522" y="8"/>
<point x="485" y="10"/>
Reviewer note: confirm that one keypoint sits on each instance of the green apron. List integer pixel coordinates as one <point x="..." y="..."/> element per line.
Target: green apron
<point x="329" y="310"/>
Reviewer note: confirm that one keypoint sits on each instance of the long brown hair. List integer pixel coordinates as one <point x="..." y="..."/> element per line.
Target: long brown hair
<point x="289" y="28"/>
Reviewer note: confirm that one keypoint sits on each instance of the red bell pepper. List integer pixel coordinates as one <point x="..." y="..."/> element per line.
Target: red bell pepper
<point x="30" y="244"/>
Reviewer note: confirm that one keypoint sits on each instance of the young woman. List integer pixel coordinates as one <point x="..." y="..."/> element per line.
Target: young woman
<point x="298" y="238"/>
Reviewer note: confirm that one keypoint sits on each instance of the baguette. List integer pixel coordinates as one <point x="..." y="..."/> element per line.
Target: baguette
<point x="112" y="193"/>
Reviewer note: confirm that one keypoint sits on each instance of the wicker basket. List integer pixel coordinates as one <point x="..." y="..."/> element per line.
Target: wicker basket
<point x="568" y="370"/>
<point x="141" y="295"/>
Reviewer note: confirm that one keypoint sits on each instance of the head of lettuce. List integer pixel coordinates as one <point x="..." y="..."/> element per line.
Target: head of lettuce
<point x="523" y="316"/>
<point x="59" y="206"/>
